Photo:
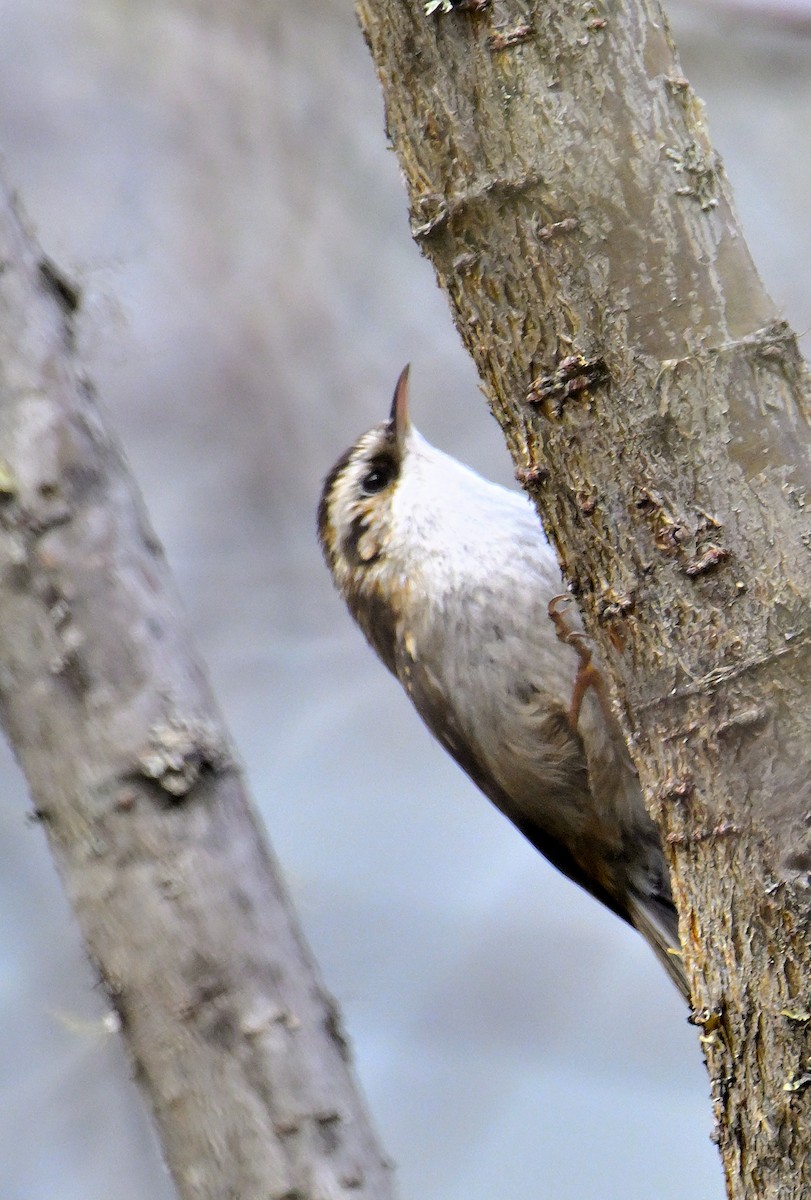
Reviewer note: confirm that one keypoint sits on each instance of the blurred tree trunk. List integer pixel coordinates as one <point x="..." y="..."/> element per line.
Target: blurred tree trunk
<point x="563" y="185"/>
<point x="232" y="1036"/>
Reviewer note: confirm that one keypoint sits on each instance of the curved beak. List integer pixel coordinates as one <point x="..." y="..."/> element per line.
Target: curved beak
<point x="400" y="422"/>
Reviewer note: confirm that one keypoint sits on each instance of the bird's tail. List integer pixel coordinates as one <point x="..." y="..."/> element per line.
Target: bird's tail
<point x="658" y="924"/>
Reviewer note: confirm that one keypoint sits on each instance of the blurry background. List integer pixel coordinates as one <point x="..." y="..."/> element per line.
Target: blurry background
<point x="217" y="178"/>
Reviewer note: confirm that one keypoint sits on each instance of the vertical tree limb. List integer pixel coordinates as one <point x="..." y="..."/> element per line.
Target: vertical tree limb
<point x="232" y="1036"/>
<point x="562" y="183"/>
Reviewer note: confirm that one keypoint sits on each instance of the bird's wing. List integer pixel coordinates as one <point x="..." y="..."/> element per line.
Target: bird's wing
<point x="431" y="702"/>
<point x="595" y="846"/>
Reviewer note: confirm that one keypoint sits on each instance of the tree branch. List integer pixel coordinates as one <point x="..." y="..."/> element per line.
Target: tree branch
<point x="563" y="185"/>
<point x="232" y="1035"/>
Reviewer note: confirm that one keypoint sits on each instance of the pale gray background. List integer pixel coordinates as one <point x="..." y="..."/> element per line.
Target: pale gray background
<point x="216" y="175"/>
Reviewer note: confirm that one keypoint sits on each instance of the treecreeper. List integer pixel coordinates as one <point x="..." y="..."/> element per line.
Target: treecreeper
<point x="453" y="582"/>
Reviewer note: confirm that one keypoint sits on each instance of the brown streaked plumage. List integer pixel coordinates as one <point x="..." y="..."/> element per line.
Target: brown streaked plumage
<point x="450" y="577"/>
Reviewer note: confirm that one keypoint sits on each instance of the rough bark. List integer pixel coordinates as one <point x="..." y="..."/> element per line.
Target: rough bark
<point x="233" y="1038"/>
<point x="563" y="185"/>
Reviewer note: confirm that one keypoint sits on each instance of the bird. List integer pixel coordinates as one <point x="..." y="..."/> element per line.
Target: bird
<point x="453" y="582"/>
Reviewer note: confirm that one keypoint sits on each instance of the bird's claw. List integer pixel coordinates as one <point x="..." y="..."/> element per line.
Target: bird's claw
<point x="562" y="626"/>
<point x="588" y="675"/>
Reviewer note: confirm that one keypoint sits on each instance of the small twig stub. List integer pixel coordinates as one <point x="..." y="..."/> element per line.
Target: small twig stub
<point x="572" y="376"/>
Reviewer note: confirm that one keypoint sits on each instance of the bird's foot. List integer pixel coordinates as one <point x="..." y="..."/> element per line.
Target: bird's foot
<point x="588" y="676"/>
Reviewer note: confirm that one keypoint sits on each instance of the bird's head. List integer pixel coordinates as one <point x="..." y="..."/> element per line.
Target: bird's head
<point x="357" y="523"/>
<point x="403" y="525"/>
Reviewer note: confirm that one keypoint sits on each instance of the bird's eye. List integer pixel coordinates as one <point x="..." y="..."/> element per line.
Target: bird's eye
<point x="380" y="474"/>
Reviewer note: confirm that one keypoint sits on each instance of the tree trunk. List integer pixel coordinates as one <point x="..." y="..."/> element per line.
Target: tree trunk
<point x="563" y="185"/>
<point x="232" y="1036"/>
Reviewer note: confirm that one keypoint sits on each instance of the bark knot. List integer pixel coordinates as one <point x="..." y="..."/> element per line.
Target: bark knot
<point x="503" y="39"/>
<point x="180" y="750"/>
